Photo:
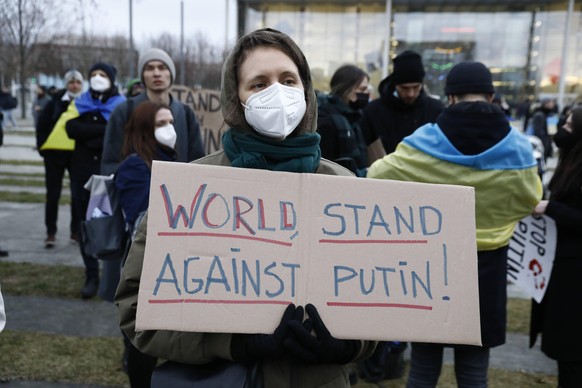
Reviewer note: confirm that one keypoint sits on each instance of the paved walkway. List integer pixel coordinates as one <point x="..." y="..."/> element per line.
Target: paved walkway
<point x="22" y="233"/>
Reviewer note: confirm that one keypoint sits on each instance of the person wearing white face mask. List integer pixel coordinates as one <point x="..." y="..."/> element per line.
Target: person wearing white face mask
<point x="89" y="115"/>
<point x="149" y="135"/>
<point x="269" y="103"/>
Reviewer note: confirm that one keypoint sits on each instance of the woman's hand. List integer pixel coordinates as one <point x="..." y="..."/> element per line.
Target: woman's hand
<point x="540" y="208"/>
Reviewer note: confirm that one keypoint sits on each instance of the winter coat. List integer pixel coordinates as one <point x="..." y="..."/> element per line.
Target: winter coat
<point x="189" y="144"/>
<point x="201" y="348"/>
<point x="88" y="130"/>
<point x="392" y="120"/>
<point x="39" y="104"/>
<point x="133" y="184"/>
<point x="559" y="316"/>
<point x="472" y="144"/>
<point x="341" y="136"/>
<point x="49" y="116"/>
<point x="539" y="122"/>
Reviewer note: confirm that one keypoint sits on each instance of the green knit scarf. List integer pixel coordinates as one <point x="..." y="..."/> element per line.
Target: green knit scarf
<point x="294" y="154"/>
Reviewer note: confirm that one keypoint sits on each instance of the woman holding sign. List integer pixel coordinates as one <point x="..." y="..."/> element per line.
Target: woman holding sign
<point x="269" y="103"/>
<point x="559" y="316"/>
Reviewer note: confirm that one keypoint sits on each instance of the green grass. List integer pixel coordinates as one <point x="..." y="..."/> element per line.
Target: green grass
<point x="59" y="358"/>
<point x="26" y="197"/>
<point x="19" y="132"/>
<point x="22" y="182"/>
<point x="57" y="281"/>
<point x="44" y="357"/>
<point x="17" y="162"/>
<point x="498" y="378"/>
<point x="23" y="174"/>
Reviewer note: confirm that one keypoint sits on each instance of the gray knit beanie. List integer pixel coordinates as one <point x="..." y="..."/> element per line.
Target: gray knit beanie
<point x="155" y="54"/>
<point x="73" y="74"/>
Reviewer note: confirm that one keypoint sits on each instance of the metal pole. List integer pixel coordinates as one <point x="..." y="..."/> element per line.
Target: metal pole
<point x="182" y="59"/>
<point x="563" y="65"/>
<point x="130" y="55"/>
<point x="386" y="53"/>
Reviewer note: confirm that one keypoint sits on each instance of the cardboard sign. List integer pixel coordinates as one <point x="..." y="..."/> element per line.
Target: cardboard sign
<point x="228" y="249"/>
<point x="206" y="105"/>
<point x="531" y="255"/>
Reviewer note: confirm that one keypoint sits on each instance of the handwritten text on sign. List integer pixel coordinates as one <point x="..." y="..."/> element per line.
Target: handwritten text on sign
<point x="228" y="249"/>
<point x="207" y="107"/>
<point x="531" y="255"/>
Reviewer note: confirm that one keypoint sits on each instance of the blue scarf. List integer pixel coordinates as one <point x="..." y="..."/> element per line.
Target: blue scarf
<point x="85" y="103"/>
<point x="294" y="154"/>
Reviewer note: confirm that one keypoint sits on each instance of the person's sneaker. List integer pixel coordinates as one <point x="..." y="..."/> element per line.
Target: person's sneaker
<point x="49" y="242"/>
<point x="90" y="288"/>
<point x="75" y="238"/>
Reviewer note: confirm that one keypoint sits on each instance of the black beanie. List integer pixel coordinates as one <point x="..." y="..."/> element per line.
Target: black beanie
<point x="408" y="68"/>
<point x="110" y="70"/>
<point x="469" y="77"/>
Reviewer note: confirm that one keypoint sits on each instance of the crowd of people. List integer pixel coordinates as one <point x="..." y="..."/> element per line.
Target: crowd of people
<point x="278" y="122"/>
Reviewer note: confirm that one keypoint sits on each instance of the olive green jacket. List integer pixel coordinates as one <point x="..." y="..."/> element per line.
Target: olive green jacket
<point x="201" y="348"/>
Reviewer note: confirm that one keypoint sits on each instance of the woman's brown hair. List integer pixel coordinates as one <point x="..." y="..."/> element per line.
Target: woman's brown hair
<point x="231" y="106"/>
<point x="139" y="135"/>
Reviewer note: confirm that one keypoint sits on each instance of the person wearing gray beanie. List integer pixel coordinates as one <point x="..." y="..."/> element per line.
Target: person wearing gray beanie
<point x="73" y="75"/>
<point x="157" y="73"/>
<point x="156" y="54"/>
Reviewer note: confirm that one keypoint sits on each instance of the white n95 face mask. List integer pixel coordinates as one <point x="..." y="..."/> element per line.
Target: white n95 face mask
<point x="275" y="111"/>
<point x="99" y="83"/>
<point x="166" y="135"/>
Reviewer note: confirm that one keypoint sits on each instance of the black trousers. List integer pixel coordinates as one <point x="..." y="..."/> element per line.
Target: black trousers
<point x="55" y="164"/>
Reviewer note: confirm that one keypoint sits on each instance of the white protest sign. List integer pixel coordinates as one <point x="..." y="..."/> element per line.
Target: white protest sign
<point x="229" y="248"/>
<point x="207" y="106"/>
<point x="531" y="255"/>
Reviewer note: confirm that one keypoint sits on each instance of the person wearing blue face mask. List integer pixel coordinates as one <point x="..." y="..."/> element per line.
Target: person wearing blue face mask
<point x="270" y="107"/>
<point x="337" y="120"/>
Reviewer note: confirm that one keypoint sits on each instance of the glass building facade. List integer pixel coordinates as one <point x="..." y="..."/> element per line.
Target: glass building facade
<point x="520" y="41"/>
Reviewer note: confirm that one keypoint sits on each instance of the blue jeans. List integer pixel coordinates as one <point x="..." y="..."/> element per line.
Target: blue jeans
<point x="471" y="364"/>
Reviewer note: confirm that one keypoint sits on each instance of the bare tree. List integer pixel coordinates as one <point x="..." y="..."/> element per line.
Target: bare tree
<point x="24" y="24"/>
<point x="203" y="60"/>
<point x="68" y="51"/>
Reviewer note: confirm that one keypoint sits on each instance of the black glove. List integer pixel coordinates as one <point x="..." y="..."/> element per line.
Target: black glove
<point x="321" y="348"/>
<point x="258" y="347"/>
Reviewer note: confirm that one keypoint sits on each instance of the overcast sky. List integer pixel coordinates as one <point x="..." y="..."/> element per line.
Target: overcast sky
<point x="153" y="17"/>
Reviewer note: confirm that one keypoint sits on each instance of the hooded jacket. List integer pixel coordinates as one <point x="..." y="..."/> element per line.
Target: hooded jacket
<point x="472" y="144"/>
<point x="202" y="348"/>
<point x="392" y="120"/>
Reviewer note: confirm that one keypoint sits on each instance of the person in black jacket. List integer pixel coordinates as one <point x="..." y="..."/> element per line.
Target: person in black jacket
<point x="559" y="316"/>
<point x="94" y="108"/>
<point x="57" y="156"/>
<point x="337" y="119"/>
<point x="403" y="105"/>
<point x="539" y="122"/>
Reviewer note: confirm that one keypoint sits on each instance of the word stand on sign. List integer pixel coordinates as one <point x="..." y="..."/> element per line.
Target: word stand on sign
<point x="531" y="255"/>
